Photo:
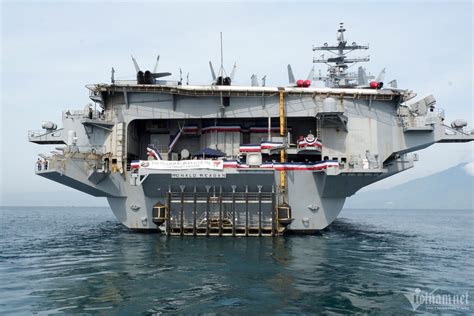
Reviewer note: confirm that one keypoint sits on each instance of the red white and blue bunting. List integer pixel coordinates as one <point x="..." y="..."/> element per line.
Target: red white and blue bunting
<point x="271" y="145"/>
<point x="221" y="129"/>
<point x="235" y="164"/>
<point x="253" y="148"/>
<point x="190" y="130"/>
<point x="249" y="148"/>
<point x="152" y="151"/>
<point x="306" y="166"/>
<point x="298" y="166"/>
<point x="309" y="141"/>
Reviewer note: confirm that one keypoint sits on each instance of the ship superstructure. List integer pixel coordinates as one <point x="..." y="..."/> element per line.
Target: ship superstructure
<point x="253" y="160"/>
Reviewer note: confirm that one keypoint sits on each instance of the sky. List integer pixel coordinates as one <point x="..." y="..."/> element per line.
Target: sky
<point x="51" y="50"/>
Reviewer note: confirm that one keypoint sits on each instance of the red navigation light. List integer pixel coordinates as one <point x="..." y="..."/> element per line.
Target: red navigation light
<point x="299" y="83"/>
<point x="306" y="83"/>
<point x="374" y="85"/>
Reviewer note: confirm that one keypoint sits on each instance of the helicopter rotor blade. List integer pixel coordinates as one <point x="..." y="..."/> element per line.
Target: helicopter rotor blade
<point x="137" y="68"/>
<point x="213" y="74"/>
<point x="361" y="76"/>
<point x="156" y="64"/>
<point x="311" y="74"/>
<point x="254" y="80"/>
<point x="291" y="76"/>
<point x="381" y="76"/>
<point x="232" y="74"/>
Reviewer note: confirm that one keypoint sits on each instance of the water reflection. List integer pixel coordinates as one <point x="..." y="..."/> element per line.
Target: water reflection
<point x="97" y="265"/>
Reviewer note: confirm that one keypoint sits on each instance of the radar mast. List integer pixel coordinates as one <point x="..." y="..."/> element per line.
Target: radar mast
<point x="337" y="75"/>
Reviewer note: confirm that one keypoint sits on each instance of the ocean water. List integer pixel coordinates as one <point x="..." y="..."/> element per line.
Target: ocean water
<point x="81" y="260"/>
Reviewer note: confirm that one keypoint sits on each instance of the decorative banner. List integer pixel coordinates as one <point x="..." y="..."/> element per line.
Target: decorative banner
<point x="271" y="145"/>
<point x="234" y="164"/>
<point x="190" y="130"/>
<point x="221" y="164"/>
<point x="198" y="174"/>
<point x="250" y="148"/>
<point x="267" y="165"/>
<point x="182" y="164"/>
<point x="310" y="141"/>
<point x="285" y="166"/>
<point x="152" y="151"/>
<point x="309" y="167"/>
<point x="222" y="129"/>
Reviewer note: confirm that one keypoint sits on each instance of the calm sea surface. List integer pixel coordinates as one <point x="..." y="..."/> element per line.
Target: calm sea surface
<point x="81" y="260"/>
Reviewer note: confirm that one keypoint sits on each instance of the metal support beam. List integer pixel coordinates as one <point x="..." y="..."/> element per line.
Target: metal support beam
<point x="168" y="217"/>
<point x="282" y="134"/>
<point x="274" y="228"/>
<point x="194" y="211"/>
<point x="259" y="210"/>
<point x="233" y="210"/>
<point x="125" y="96"/>
<point x="173" y="102"/>
<point x="246" y="210"/>
<point x="220" y="210"/>
<point x="208" y="197"/>
<point x="181" y="217"/>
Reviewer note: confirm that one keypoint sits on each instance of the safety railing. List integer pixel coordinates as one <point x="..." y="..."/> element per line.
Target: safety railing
<point x="57" y="161"/>
<point x="96" y="115"/>
<point x="42" y="132"/>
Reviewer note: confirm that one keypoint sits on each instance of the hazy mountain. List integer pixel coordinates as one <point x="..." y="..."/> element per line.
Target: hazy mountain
<point x="452" y="188"/>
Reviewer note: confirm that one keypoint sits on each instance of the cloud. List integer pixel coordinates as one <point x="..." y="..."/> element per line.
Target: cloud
<point x="469" y="168"/>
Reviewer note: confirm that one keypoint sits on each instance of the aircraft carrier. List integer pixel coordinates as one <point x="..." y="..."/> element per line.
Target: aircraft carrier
<point x="228" y="160"/>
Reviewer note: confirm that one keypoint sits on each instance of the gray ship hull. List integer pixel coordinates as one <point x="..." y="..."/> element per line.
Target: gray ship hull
<point x="288" y="157"/>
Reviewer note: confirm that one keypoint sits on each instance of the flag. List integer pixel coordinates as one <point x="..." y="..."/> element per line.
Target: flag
<point x="152" y="151"/>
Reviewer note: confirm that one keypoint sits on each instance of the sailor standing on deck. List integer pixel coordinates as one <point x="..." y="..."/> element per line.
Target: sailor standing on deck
<point x="38" y="164"/>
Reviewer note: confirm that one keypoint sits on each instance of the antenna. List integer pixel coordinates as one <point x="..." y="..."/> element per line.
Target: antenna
<point x="222" y="53"/>
<point x="254" y="80"/>
<point x="338" y="65"/>
<point x="222" y="72"/>
<point x="232" y="74"/>
<point x="222" y="79"/>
